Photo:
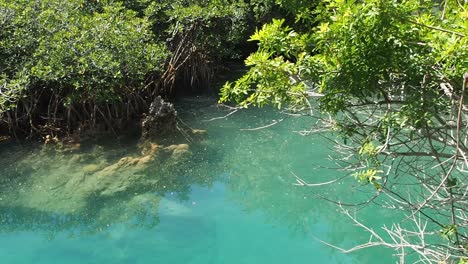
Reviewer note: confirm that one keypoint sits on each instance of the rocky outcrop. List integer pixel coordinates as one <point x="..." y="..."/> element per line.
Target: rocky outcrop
<point x="161" y="120"/>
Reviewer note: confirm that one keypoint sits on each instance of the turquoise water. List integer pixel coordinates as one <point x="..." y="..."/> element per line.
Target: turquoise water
<point x="227" y="196"/>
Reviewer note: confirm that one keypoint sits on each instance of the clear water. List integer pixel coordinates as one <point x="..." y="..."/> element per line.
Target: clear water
<point x="230" y="198"/>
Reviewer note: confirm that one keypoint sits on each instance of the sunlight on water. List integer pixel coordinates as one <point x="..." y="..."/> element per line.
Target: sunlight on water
<point x="227" y="196"/>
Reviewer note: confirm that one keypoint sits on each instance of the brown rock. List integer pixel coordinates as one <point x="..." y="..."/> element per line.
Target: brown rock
<point x="178" y="151"/>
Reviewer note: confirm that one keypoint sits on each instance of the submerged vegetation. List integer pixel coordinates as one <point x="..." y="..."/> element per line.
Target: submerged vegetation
<point x="388" y="77"/>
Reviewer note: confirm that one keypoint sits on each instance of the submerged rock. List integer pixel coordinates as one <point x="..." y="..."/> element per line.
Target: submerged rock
<point x="178" y="151"/>
<point x="122" y="176"/>
<point x="160" y="121"/>
<point x="70" y="182"/>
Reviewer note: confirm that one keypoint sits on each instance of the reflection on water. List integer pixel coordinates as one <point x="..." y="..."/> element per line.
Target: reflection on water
<point x="226" y="197"/>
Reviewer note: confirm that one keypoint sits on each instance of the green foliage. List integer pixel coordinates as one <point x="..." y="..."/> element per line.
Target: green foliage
<point x="110" y="52"/>
<point x="389" y="76"/>
<point x="221" y="24"/>
<point x="368" y="149"/>
<point x="359" y="51"/>
<point x="81" y="53"/>
<point x="448" y="232"/>
<point x="274" y="76"/>
<point x="276" y="39"/>
<point x="368" y="176"/>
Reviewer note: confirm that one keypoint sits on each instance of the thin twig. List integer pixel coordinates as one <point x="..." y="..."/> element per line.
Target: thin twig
<point x="263" y="127"/>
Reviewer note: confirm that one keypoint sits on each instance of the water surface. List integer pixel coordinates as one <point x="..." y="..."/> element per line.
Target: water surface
<point x="227" y="196"/>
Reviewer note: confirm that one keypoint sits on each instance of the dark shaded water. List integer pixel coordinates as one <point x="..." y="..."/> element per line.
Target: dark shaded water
<point x="229" y="196"/>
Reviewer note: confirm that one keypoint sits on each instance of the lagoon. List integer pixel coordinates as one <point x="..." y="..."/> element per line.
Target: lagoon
<point x="227" y="195"/>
